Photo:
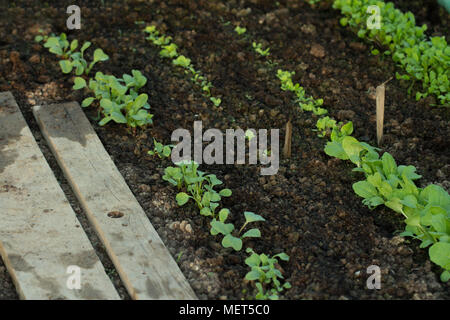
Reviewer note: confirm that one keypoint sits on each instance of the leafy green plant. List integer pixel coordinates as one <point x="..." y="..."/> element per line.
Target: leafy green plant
<point x="216" y="101"/>
<point x="258" y="48"/>
<point x="118" y="98"/>
<point x="162" y="151"/>
<point x="240" y="30"/>
<point x="426" y="211"/>
<point x="266" y="275"/>
<point x="169" y="50"/>
<point x="199" y="186"/>
<point x="41" y="36"/>
<point x="71" y="59"/>
<point x="205" y="85"/>
<point x="58" y="45"/>
<point x="76" y="61"/>
<point x="182" y="61"/>
<point x="155" y="37"/>
<point x="426" y="60"/>
<point x="234" y="241"/>
<point x="306" y="103"/>
<point x="324" y="125"/>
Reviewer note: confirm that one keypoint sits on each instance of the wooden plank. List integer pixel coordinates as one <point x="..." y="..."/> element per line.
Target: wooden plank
<point x="141" y="259"/>
<point x="40" y="236"/>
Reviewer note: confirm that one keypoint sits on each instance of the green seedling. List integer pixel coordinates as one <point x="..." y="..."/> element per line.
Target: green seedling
<point x="306" y="103"/>
<point x="249" y="134"/>
<point x="426" y="211"/>
<point x="226" y="229"/>
<point x="206" y="87"/>
<point x="162" y="151"/>
<point x="216" y="101"/>
<point x="266" y="275"/>
<point x="159" y="40"/>
<point x="118" y="98"/>
<point x="425" y="60"/>
<point x="76" y="61"/>
<point x="325" y="125"/>
<point x="71" y="59"/>
<point x="258" y="48"/>
<point x="41" y="36"/>
<point x="169" y="51"/>
<point x="59" y="45"/>
<point x="182" y="61"/>
<point x="240" y="30"/>
<point x="179" y="256"/>
<point x="198" y="185"/>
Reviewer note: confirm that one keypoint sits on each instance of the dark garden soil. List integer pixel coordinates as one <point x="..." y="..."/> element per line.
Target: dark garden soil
<point x="311" y="211"/>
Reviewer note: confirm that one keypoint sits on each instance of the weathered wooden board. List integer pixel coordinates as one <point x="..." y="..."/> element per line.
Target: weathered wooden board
<point x="40" y="236"/>
<point x="141" y="259"/>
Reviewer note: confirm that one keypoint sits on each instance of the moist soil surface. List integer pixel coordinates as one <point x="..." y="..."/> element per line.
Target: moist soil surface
<point x="311" y="210"/>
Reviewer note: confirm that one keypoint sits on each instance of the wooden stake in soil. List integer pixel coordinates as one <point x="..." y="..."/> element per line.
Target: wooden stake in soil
<point x="381" y="89"/>
<point x="380" y="95"/>
<point x="288" y="140"/>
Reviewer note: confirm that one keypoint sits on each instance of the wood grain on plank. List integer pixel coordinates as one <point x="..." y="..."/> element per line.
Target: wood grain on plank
<point x="141" y="259"/>
<point x="40" y="236"/>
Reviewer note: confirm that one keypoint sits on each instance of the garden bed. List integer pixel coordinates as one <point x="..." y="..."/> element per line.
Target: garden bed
<point x="311" y="210"/>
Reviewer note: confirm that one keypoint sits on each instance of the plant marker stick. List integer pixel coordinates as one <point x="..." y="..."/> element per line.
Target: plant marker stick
<point x="381" y="89"/>
<point x="288" y="140"/>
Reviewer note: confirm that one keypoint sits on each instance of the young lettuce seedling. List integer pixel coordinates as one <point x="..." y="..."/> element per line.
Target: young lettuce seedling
<point x="240" y="30"/>
<point x="226" y="229"/>
<point x="162" y="151"/>
<point x="71" y="59"/>
<point x="40" y="36"/>
<point x="216" y="101"/>
<point x="306" y="103"/>
<point x="263" y="271"/>
<point x="325" y="125"/>
<point x="169" y="51"/>
<point x="426" y="211"/>
<point x="182" y="61"/>
<point x="118" y="98"/>
<point x="258" y="48"/>
<point x="155" y="37"/>
<point x="424" y="59"/>
<point x="199" y="186"/>
<point x="77" y="61"/>
<point x="60" y="46"/>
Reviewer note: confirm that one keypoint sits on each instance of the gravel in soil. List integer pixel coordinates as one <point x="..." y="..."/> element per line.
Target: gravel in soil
<point x="311" y="211"/>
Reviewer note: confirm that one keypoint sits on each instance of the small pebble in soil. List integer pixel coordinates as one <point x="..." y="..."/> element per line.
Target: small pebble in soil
<point x="144" y="188"/>
<point x="317" y="51"/>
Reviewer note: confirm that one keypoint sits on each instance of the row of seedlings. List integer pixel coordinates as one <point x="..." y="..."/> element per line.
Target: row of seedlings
<point x="426" y="210"/>
<point x="393" y="33"/>
<point x="198" y="186"/>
